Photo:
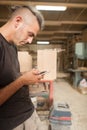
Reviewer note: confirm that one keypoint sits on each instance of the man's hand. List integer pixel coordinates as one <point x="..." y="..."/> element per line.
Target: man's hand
<point x="31" y="77"/>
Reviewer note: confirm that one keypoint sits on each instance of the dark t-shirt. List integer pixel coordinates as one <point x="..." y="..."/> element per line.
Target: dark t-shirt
<point x="19" y="106"/>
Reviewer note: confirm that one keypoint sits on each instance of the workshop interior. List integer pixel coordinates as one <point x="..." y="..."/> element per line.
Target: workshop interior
<point x="60" y="52"/>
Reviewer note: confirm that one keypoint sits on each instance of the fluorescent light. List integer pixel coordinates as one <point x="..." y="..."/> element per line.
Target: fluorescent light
<point x="51" y="8"/>
<point x="42" y="42"/>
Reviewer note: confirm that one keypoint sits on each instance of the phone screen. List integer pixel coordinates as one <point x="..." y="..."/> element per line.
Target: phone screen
<point x="42" y="72"/>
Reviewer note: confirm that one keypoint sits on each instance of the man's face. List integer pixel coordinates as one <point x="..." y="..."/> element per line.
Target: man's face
<point x="25" y="32"/>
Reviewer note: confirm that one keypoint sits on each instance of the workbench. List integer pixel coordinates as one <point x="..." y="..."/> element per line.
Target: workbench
<point x="50" y="86"/>
<point x="77" y="75"/>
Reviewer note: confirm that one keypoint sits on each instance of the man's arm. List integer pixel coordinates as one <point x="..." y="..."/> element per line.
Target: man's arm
<point x="25" y="79"/>
<point x="9" y="90"/>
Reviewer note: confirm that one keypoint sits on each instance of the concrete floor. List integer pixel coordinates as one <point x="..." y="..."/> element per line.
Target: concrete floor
<point x="63" y="92"/>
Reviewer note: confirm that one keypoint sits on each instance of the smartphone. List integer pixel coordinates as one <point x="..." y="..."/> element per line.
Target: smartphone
<point x="42" y="72"/>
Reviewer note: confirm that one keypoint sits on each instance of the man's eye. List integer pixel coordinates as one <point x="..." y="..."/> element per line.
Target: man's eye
<point x="31" y="34"/>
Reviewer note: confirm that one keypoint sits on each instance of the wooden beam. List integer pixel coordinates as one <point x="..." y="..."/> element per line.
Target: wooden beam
<point x="51" y="38"/>
<point x="56" y="23"/>
<point x="16" y="2"/>
<point x="61" y="31"/>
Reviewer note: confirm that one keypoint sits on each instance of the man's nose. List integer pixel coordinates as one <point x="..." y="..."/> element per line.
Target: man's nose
<point x="30" y="39"/>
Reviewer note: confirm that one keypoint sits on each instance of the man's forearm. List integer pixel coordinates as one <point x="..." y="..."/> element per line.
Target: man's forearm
<point x="30" y="77"/>
<point x="9" y="90"/>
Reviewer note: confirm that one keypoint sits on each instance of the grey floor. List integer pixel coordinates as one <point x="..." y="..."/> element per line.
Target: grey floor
<point x="63" y="92"/>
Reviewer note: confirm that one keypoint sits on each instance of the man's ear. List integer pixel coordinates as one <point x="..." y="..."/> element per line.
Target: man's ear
<point x="18" y="21"/>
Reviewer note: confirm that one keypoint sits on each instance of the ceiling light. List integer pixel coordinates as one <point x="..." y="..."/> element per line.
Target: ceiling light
<point x="42" y="42"/>
<point x="51" y="8"/>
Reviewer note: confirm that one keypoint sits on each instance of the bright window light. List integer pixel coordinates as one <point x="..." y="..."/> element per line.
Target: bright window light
<point x="51" y="8"/>
<point x="42" y="42"/>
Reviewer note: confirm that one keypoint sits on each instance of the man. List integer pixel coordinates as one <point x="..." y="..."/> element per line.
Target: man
<point x="15" y="103"/>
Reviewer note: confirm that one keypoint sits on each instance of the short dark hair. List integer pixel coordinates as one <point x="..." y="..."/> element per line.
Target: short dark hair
<point x="34" y="11"/>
